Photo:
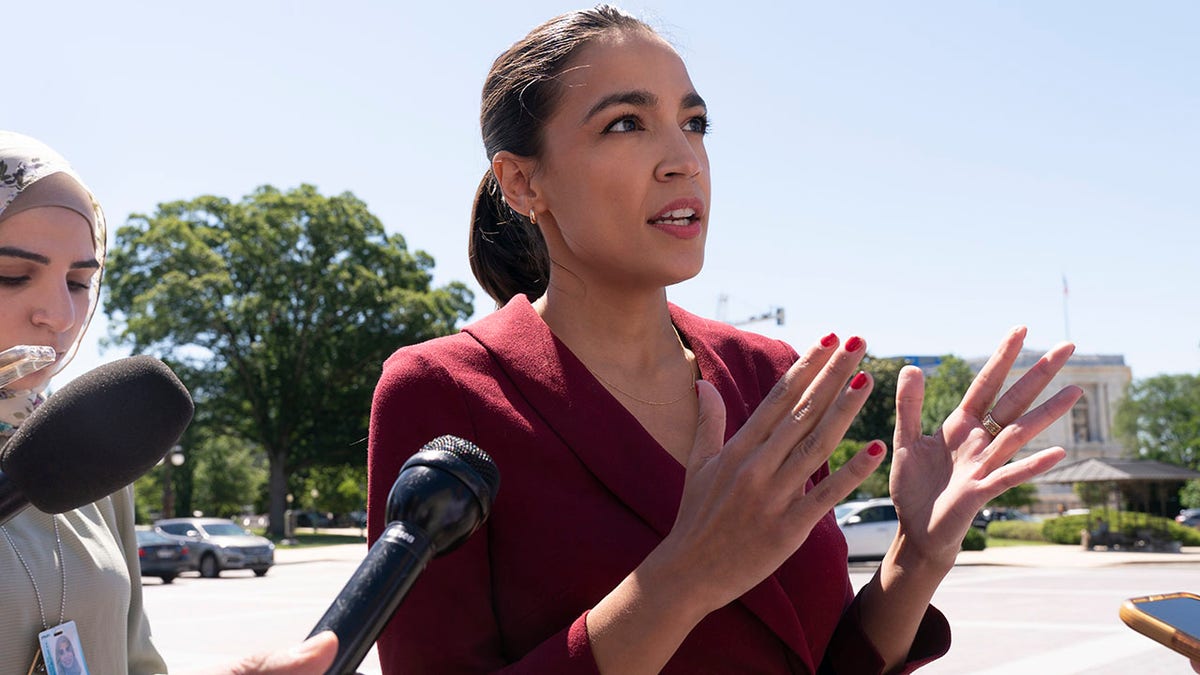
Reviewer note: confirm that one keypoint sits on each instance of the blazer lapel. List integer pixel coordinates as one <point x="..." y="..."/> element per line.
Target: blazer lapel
<point x="591" y="423"/>
<point x="610" y="441"/>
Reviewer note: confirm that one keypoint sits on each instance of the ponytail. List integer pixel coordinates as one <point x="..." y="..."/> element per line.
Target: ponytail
<point x="508" y="254"/>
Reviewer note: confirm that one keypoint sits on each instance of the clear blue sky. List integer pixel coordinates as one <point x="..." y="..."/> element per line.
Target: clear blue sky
<point x="922" y="174"/>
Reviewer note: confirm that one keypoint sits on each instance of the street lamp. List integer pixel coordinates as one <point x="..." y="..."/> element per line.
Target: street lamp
<point x="174" y="458"/>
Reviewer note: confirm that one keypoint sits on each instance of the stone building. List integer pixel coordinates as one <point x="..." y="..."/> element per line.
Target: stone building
<point x="1087" y="430"/>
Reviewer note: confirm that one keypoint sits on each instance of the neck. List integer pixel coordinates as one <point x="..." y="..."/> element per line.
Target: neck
<point x="621" y="330"/>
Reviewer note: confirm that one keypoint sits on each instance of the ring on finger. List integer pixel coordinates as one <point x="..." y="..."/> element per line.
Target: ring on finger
<point x="991" y="425"/>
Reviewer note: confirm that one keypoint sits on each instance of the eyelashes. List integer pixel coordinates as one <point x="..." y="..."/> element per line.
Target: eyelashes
<point x="629" y="123"/>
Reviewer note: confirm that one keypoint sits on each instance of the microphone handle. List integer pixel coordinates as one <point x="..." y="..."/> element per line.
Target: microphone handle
<point x="366" y="603"/>
<point x="12" y="500"/>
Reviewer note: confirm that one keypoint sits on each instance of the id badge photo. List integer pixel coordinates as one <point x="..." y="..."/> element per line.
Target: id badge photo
<point x="62" y="652"/>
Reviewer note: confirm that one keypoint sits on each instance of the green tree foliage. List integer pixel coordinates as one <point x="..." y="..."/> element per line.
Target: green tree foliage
<point x="1159" y="419"/>
<point x="944" y="390"/>
<point x="228" y="476"/>
<point x="277" y="312"/>
<point x="1017" y="496"/>
<point x="339" y="489"/>
<point x="876" y="420"/>
<point x="1189" y="496"/>
<point x="1093" y="494"/>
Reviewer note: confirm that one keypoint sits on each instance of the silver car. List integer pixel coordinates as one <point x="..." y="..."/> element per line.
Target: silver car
<point x="217" y="544"/>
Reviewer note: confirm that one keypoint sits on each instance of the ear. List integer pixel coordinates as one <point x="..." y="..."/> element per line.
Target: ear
<point x="515" y="175"/>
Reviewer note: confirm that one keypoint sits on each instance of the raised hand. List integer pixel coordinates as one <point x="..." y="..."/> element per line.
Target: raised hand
<point x="938" y="482"/>
<point x="746" y="507"/>
<point x="746" y="499"/>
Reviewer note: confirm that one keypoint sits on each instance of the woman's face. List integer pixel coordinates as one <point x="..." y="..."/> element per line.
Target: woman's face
<point x="65" y="653"/>
<point x="622" y="184"/>
<point x="47" y="266"/>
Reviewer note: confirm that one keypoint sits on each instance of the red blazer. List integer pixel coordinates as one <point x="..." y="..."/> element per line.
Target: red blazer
<point x="585" y="494"/>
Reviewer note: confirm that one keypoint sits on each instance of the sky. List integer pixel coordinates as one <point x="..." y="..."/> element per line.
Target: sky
<point x="924" y="175"/>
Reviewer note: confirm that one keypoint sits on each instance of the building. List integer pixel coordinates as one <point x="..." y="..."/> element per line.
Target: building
<point x="1087" y="431"/>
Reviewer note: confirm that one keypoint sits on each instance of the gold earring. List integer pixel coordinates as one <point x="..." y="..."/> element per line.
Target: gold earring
<point x="532" y="217"/>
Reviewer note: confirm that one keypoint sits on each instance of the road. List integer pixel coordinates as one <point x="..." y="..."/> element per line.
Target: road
<point x="1009" y="620"/>
<point x="200" y="622"/>
<point x="1039" y="610"/>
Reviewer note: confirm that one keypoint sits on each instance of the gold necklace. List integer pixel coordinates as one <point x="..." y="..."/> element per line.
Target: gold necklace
<point x="689" y="392"/>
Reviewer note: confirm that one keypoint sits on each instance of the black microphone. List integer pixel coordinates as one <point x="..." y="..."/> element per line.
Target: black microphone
<point x="94" y="436"/>
<point x="443" y="494"/>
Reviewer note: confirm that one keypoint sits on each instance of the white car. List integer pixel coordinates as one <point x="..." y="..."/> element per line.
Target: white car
<point x="869" y="527"/>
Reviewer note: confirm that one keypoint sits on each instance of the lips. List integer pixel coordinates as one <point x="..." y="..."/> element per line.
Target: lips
<point x="679" y="213"/>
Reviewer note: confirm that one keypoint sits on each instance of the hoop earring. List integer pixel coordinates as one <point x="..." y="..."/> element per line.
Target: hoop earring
<point x="532" y="217"/>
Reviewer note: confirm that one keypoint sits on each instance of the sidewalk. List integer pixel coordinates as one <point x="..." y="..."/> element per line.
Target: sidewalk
<point x="1071" y="556"/>
<point x="1015" y="556"/>
<point x="309" y="554"/>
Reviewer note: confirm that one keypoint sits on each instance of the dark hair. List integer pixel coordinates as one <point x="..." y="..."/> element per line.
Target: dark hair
<point x="507" y="252"/>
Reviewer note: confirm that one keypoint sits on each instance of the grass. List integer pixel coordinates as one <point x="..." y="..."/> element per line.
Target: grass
<point x="305" y="539"/>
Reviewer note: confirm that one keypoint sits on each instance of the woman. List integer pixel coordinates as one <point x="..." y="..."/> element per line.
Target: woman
<point x="666" y="498"/>
<point x="64" y="656"/>
<point x="82" y="565"/>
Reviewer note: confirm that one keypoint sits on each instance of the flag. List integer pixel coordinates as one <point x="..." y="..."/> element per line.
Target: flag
<point x="1064" y="285"/>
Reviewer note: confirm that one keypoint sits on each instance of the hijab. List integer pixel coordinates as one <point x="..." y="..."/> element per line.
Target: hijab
<point x="32" y="175"/>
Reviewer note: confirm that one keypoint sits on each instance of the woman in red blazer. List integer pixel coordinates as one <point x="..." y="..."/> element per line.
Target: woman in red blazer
<point x="666" y="498"/>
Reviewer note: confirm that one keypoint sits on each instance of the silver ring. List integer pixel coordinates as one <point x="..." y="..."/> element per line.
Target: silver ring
<point x="992" y="427"/>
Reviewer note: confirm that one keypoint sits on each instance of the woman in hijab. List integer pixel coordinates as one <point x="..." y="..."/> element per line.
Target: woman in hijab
<point x="80" y="566"/>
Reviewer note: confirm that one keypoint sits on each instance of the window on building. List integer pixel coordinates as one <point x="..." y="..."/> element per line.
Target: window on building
<point x="1081" y="426"/>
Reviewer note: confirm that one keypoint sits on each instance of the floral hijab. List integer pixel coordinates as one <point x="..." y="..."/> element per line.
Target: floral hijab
<point x="23" y="162"/>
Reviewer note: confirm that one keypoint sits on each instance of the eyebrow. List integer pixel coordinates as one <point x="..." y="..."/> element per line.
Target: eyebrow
<point x="639" y="98"/>
<point x="14" y="252"/>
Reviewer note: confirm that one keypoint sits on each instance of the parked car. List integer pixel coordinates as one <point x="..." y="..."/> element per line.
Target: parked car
<point x="161" y="556"/>
<point x="987" y="515"/>
<point x="313" y="519"/>
<point x="218" y="544"/>
<point x="1189" y="517"/>
<point x="869" y="527"/>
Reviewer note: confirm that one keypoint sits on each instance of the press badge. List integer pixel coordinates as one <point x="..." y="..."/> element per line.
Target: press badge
<point x="62" y="653"/>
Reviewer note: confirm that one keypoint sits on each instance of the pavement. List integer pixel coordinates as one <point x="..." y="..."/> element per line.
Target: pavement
<point x="1055" y="555"/>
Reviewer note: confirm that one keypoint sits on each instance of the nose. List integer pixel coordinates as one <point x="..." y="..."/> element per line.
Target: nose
<point x="55" y="309"/>
<point x="682" y="158"/>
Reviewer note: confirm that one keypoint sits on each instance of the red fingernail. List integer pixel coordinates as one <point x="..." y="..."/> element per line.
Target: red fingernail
<point x="859" y="381"/>
<point x="829" y="340"/>
<point x="876" y="448"/>
<point x="853" y="344"/>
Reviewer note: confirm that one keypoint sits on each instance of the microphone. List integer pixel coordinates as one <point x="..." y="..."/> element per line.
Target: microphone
<point x="443" y="494"/>
<point x="94" y="436"/>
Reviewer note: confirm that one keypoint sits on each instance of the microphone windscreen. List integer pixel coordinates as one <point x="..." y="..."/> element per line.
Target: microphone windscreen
<point x="97" y="434"/>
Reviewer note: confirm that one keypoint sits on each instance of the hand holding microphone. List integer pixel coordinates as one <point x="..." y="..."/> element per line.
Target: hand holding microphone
<point x="442" y="495"/>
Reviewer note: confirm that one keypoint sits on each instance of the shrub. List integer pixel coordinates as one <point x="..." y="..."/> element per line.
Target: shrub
<point x="1065" y="530"/>
<point x="1015" y="529"/>
<point x="975" y="540"/>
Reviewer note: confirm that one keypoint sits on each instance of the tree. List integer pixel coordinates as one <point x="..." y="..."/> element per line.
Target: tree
<point x="1189" y="496"/>
<point x="876" y="420"/>
<point x="1159" y="419"/>
<point x="944" y="390"/>
<point x="1017" y="496"/>
<point x="277" y="312"/>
